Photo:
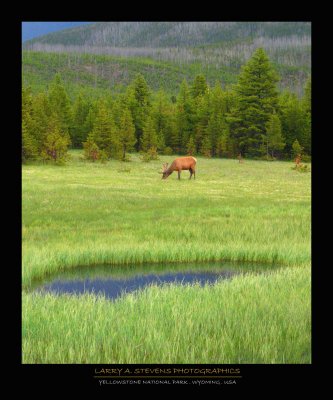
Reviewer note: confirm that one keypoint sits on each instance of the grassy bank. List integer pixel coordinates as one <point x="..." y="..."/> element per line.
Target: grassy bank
<point x="252" y="319"/>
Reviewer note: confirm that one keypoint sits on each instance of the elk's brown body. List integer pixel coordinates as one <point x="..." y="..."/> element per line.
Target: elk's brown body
<point x="179" y="164"/>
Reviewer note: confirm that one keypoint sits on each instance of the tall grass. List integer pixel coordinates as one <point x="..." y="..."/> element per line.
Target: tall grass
<point x="251" y="319"/>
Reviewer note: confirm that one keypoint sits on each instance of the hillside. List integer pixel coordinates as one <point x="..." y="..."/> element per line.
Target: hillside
<point x="171" y="34"/>
<point x="106" y="55"/>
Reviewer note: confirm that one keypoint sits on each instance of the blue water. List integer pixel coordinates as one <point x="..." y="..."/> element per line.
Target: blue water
<point x="113" y="288"/>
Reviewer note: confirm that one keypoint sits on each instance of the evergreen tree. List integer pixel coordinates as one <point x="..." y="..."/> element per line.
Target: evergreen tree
<point x="199" y="86"/>
<point x="139" y="103"/>
<point x="41" y="113"/>
<point x="184" y="119"/>
<point x="91" y="150"/>
<point x="162" y="116"/>
<point x="293" y="120"/>
<point x="257" y="98"/>
<point x="191" y="146"/>
<point x="297" y="148"/>
<point x="103" y="133"/>
<point x="307" y="109"/>
<point x="56" y="143"/>
<point x="274" y="138"/>
<point x="201" y="121"/>
<point x="29" y="145"/>
<point x="80" y="112"/>
<point x="126" y="133"/>
<point x="60" y="103"/>
<point x="206" y="147"/>
<point x="149" y="138"/>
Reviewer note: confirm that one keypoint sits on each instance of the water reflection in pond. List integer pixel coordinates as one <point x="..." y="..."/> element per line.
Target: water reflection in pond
<point x="114" y="281"/>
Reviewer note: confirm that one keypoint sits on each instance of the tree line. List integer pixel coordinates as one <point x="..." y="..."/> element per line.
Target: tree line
<point x="252" y="118"/>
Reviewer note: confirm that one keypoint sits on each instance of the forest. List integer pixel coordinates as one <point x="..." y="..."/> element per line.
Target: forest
<point x="253" y="117"/>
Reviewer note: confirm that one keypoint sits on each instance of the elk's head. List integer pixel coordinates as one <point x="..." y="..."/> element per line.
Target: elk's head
<point x="164" y="170"/>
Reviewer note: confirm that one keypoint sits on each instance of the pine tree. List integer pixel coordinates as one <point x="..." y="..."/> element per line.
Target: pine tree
<point x="162" y="115"/>
<point x="217" y="119"/>
<point x="274" y="138"/>
<point x="307" y="109"/>
<point x="80" y="112"/>
<point x="29" y="144"/>
<point x="138" y="101"/>
<point x="184" y="119"/>
<point x="297" y="148"/>
<point x="88" y="124"/>
<point x="191" y="147"/>
<point x="293" y="120"/>
<point x="56" y="143"/>
<point x="199" y="86"/>
<point x="103" y="133"/>
<point x="149" y="138"/>
<point x="206" y="147"/>
<point x="126" y="133"/>
<point x="60" y="103"/>
<point x="257" y="98"/>
<point x="91" y="150"/>
<point x="41" y="113"/>
<point x="202" y="116"/>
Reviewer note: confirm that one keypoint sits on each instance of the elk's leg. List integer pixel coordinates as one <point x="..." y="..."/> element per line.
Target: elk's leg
<point x="190" y="173"/>
<point x="179" y="175"/>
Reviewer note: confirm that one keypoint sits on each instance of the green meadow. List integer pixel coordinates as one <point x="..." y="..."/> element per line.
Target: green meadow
<point x="89" y="214"/>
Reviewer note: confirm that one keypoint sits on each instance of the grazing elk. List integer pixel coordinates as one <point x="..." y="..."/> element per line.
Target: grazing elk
<point x="180" y="163"/>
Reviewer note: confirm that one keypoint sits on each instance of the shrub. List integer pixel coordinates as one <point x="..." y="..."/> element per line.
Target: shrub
<point x="150" y="154"/>
<point x="168" y="151"/>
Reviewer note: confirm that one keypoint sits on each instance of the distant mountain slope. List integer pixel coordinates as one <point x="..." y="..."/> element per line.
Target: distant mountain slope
<point x="171" y="34"/>
<point x="167" y="52"/>
<point x="30" y="30"/>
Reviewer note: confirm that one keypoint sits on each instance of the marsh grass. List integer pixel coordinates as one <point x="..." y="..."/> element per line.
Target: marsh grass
<point x="252" y="319"/>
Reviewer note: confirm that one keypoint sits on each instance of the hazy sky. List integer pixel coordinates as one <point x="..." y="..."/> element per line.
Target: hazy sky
<point x="34" y="29"/>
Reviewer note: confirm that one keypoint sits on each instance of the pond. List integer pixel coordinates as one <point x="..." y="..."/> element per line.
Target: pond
<point x="115" y="281"/>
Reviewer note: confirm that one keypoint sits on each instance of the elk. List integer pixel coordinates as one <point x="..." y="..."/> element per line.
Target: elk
<point x="179" y="164"/>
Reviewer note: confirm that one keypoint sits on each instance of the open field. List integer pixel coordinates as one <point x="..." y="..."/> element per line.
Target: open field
<point x="114" y="213"/>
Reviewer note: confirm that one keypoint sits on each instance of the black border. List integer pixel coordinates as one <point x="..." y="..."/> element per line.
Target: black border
<point x="276" y="376"/>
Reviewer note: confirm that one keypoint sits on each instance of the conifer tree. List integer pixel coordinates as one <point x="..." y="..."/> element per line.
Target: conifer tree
<point x="29" y="145"/>
<point x="56" y="143"/>
<point x="307" y="109"/>
<point x="206" y="147"/>
<point x="257" y="99"/>
<point x="80" y="112"/>
<point x="126" y="133"/>
<point x="103" y="133"/>
<point x="41" y="113"/>
<point x="199" y="86"/>
<point x="201" y="121"/>
<point x="274" y="138"/>
<point x="60" y="103"/>
<point x="297" y="148"/>
<point x="293" y="120"/>
<point x="149" y="138"/>
<point x="191" y="147"/>
<point x="138" y="101"/>
<point x="184" y="119"/>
